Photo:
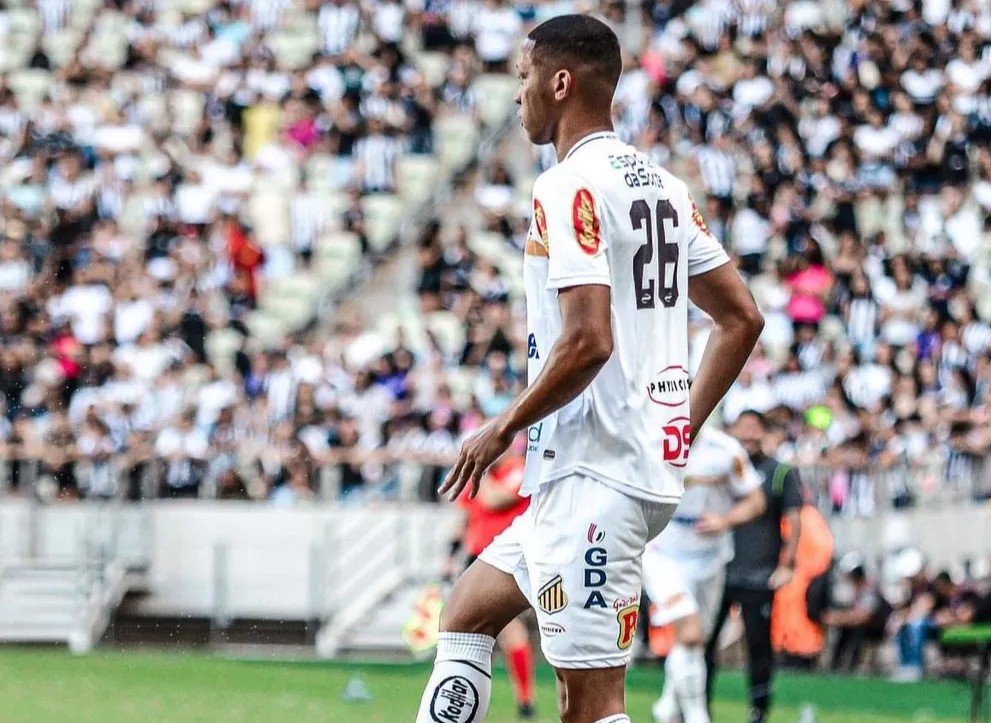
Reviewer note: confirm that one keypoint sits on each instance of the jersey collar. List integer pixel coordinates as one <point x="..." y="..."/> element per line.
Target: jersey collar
<point x="588" y="139"/>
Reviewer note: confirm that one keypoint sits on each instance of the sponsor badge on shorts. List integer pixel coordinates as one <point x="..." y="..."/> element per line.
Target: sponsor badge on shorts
<point x="627" y="619"/>
<point x="551" y="597"/>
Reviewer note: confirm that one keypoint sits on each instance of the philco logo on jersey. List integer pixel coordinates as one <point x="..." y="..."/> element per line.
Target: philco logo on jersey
<point x="627" y="619"/>
<point x="585" y="221"/>
<point x="697" y="219"/>
<point x="551" y="597"/>
<point x="670" y="387"/>
<point x="540" y="221"/>
<point x="455" y="701"/>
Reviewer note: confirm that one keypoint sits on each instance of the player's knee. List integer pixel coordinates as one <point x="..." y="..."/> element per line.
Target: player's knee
<point x="459" y="616"/>
<point x="688" y="632"/>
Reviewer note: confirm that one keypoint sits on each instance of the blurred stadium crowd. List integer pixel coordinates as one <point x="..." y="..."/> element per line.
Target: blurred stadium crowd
<point x="189" y="187"/>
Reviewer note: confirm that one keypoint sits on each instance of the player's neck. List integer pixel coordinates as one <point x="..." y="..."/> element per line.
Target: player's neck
<point x="569" y="134"/>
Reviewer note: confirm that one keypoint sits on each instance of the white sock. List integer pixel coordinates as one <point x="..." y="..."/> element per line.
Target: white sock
<point x="665" y="708"/>
<point x="618" y="718"/>
<point x="459" y="688"/>
<point x="686" y="666"/>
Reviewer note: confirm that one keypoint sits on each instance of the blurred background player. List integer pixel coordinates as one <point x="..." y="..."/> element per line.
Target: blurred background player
<point x="487" y="514"/>
<point x="759" y="566"/>
<point x="683" y="567"/>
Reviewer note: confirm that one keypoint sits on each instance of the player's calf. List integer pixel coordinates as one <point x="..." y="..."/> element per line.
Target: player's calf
<point x="593" y="695"/>
<point x="482" y="602"/>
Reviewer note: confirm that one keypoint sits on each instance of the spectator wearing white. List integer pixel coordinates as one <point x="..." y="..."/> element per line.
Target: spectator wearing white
<point x="751" y="91"/>
<point x="749" y="233"/>
<point x="375" y="156"/>
<point x="339" y="22"/>
<point x="921" y="81"/>
<point x="388" y="17"/>
<point x="183" y="448"/>
<point x="901" y="297"/>
<point x="497" y="27"/>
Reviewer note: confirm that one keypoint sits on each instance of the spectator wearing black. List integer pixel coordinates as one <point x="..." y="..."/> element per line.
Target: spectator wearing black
<point x="762" y="563"/>
<point x="861" y="620"/>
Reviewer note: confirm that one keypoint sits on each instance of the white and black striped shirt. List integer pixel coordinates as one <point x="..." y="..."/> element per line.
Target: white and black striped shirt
<point x="861" y="320"/>
<point x="378" y="155"/>
<point x="307" y="219"/>
<point x="338" y="27"/>
<point x="54" y="14"/>
<point x="976" y="337"/>
<point x="265" y="14"/>
<point x="799" y="390"/>
<point x="718" y="170"/>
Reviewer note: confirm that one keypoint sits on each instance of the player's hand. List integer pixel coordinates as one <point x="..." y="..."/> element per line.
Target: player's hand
<point x="477" y="454"/>
<point x="780" y="577"/>
<point x="710" y="524"/>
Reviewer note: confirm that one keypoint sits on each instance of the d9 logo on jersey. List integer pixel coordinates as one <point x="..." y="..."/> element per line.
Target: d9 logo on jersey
<point x="677" y="439"/>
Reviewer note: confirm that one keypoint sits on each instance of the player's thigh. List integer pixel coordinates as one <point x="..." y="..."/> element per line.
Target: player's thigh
<point x="488" y="595"/>
<point x="669" y="592"/>
<point x="583" y="561"/>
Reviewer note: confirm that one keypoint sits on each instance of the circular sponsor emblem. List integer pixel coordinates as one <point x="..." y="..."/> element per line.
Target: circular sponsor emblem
<point x="669" y="387"/>
<point x="551" y="629"/>
<point x="454" y="701"/>
<point x="586" y="221"/>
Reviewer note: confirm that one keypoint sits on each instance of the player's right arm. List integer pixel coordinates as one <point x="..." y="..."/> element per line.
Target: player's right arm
<point x="737" y="322"/>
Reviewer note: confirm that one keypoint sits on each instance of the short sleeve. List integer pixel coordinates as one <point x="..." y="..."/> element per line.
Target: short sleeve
<point x="568" y="218"/>
<point x="791" y="495"/>
<point x="743" y="478"/>
<point x="705" y="253"/>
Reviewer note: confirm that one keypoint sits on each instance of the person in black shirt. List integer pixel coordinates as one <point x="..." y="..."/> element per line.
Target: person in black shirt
<point x="762" y="563"/>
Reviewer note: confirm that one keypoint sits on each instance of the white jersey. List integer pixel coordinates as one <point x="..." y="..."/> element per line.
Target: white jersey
<point x="606" y="214"/>
<point x="718" y="473"/>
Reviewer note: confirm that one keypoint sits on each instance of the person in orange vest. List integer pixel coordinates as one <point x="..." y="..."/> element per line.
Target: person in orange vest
<point x="764" y="561"/>
<point x="490" y="512"/>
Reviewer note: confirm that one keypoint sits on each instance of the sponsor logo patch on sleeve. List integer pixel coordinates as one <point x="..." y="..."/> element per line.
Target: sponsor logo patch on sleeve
<point x="627" y="619"/>
<point x="540" y="221"/>
<point x="586" y="221"/>
<point x="698" y="220"/>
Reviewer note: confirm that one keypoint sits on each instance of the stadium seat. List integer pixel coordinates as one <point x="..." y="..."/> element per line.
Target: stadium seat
<point x="433" y="66"/>
<point x="268" y="212"/>
<point x="30" y="85"/>
<point x="60" y="45"/>
<point x="495" y="93"/>
<point x="187" y="109"/>
<point x="416" y="177"/>
<point x="221" y="346"/>
<point x="457" y="138"/>
<point x="383" y="214"/>
<point x="448" y="329"/>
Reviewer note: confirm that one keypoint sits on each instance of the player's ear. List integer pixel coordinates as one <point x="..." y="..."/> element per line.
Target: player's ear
<point x="562" y="84"/>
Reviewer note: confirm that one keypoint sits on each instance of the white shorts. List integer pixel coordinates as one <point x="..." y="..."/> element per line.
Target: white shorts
<point x="678" y="589"/>
<point x="575" y="554"/>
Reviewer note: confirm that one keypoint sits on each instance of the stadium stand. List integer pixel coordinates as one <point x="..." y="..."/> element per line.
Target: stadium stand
<point x="270" y="251"/>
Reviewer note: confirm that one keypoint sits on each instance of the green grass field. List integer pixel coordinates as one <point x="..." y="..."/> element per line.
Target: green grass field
<point x="48" y="686"/>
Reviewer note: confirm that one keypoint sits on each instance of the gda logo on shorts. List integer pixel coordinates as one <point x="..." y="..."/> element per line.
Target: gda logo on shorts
<point x="455" y="701"/>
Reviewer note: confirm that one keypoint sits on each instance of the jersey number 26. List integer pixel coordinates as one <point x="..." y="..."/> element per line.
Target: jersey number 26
<point x="666" y="284"/>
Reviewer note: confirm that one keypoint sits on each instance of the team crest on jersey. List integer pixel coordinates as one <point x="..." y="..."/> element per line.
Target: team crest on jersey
<point x="627" y="619"/>
<point x="586" y="222"/>
<point x="738" y="467"/>
<point x="551" y="597"/>
<point x="697" y="219"/>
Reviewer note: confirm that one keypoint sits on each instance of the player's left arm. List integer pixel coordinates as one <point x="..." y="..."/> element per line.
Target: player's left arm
<point x="750" y="502"/>
<point x="578" y="269"/>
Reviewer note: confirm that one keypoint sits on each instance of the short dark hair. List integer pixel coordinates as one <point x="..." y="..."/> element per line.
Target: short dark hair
<point x="756" y="414"/>
<point x="580" y="41"/>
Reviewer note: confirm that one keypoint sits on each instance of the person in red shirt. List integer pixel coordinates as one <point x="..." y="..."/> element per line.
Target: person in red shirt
<point x="491" y="511"/>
